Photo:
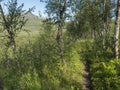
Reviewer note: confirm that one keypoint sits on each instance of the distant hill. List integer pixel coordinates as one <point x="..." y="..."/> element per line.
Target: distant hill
<point x="34" y="22"/>
<point x="30" y="15"/>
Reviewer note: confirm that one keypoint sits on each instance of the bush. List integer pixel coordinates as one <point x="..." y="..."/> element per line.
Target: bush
<point x="48" y="63"/>
<point x="38" y="66"/>
<point x="30" y="81"/>
<point x="106" y="75"/>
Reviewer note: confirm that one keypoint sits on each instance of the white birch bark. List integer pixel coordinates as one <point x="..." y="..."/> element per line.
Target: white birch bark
<point x="117" y="27"/>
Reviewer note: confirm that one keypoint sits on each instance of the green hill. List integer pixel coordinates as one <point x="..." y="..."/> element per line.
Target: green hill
<point x="33" y="23"/>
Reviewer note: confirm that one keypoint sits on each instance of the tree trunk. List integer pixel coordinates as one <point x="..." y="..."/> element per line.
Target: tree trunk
<point x="104" y="24"/>
<point x="13" y="44"/>
<point x="59" y="39"/>
<point x="1" y="84"/>
<point x="116" y="44"/>
<point x="59" y="34"/>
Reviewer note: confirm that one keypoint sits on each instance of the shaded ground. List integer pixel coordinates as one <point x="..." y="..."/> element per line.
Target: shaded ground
<point x="87" y="83"/>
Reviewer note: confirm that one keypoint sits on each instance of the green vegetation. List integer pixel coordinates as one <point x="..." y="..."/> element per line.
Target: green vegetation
<point x="106" y="75"/>
<point x="38" y="66"/>
<point x="55" y="54"/>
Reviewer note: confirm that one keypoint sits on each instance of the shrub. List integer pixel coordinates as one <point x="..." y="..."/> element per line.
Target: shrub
<point x="106" y="75"/>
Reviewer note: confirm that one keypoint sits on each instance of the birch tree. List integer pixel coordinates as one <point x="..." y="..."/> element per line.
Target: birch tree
<point x="56" y="11"/>
<point x="13" y="22"/>
<point x="117" y="27"/>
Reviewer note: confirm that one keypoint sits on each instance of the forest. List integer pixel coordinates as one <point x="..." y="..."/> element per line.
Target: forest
<point x="76" y="47"/>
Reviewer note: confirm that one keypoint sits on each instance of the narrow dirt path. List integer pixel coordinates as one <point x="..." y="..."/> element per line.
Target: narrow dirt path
<point x="87" y="84"/>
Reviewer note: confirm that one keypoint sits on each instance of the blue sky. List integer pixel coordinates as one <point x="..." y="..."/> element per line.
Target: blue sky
<point x="39" y="6"/>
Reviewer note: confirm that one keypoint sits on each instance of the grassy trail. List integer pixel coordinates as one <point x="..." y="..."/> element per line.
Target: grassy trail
<point x="87" y="83"/>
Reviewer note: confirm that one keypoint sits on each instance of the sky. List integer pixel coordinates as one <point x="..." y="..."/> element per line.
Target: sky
<point x="39" y="6"/>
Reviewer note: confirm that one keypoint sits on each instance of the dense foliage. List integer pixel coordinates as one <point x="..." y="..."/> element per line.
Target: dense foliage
<point x="106" y="75"/>
<point x="38" y="66"/>
<point x="86" y="45"/>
